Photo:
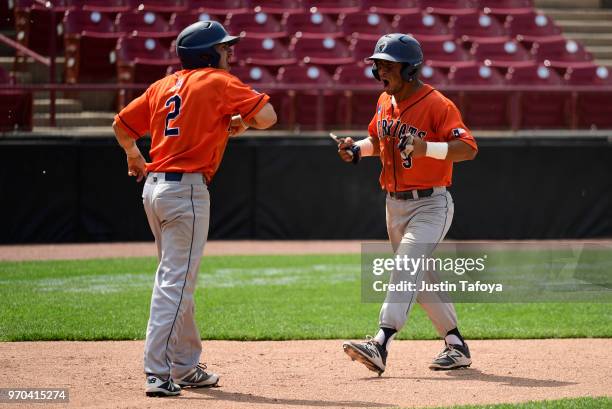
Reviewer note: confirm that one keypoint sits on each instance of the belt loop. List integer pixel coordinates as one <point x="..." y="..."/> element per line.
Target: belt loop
<point x="415" y="194"/>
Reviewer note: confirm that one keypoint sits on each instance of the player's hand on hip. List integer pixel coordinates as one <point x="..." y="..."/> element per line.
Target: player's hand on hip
<point x="344" y="149"/>
<point x="136" y="165"/>
<point x="237" y="125"/>
<point x="419" y="147"/>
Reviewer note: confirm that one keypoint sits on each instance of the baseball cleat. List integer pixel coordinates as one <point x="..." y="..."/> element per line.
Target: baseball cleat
<point x="369" y="353"/>
<point x="452" y="357"/>
<point x="199" y="378"/>
<point x="156" y="386"/>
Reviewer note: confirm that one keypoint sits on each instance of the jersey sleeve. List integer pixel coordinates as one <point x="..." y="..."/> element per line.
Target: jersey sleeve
<point x="242" y="99"/>
<point x="135" y="118"/>
<point x="451" y="126"/>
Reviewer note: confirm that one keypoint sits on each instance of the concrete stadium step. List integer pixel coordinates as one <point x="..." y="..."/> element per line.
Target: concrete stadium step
<point x="579" y="26"/>
<point x="601" y="51"/>
<point x="605" y="62"/>
<point x="62" y="105"/>
<point x="590" y="39"/>
<point x="579" y="14"/>
<point x="568" y="4"/>
<point x="70" y="120"/>
<point x="37" y="72"/>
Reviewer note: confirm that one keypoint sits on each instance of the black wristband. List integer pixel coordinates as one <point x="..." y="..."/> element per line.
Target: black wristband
<point x="356" y="154"/>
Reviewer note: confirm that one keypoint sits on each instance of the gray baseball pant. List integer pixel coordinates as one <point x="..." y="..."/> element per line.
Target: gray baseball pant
<point x="415" y="227"/>
<point x="178" y="214"/>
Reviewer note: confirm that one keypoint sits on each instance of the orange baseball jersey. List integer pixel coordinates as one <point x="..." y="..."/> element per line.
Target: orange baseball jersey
<point x="427" y="114"/>
<point x="188" y="114"/>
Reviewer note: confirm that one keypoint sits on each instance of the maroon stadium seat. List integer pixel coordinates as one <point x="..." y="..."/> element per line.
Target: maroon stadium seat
<point x="146" y="24"/>
<point x="90" y="37"/>
<point x="506" y="7"/>
<point x="258" y="25"/>
<point x="532" y="27"/>
<point x="562" y="54"/>
<point x="254" y="74"/>
<point x="540" y="108"/>
<point x="502" y="54"/>
<point x="178" y="21"/>
<point x="278" y="6"/>
<point x="325" y="52"/>
<point x="222" y="6"/>
<point x="266" y="51"/>
<point x="356" y="107"/>
<point x="33" y="25"/>
<point x="423" y="26"/>
<point x="432" y="75"/>
<point x="306" y="104"/>
<point x="365" y="25"/>
<point x="362" y="49"/>
<point x="103" y="6"/>
<point x="333" y="6"/>
<point x="444" y="54"/>
<point x="160" y="6"/>
<point x="477" y="27"/>
<point x="311" y="25"/>
<point x="481" y="109"/>
<point x="393" y="7"/>
<point x="450" y="7"/>
<point x="592" y="108"/>
<point x="15" y="107"/>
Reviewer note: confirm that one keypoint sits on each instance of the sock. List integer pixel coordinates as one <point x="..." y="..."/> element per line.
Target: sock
<point x="385" y="336"/>
<point x="454" y="337"/>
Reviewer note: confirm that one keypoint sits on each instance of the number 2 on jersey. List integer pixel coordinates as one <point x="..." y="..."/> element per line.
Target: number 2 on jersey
<point x="175" y="102"/>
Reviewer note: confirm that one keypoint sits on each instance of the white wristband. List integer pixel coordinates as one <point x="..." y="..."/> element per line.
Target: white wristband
<point x="366" y="146"/>
<point x="437" y="150"/>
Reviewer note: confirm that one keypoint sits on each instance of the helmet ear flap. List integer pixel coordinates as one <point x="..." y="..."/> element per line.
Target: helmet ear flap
<point x="409" y="72"/>
<point x="375" y="72"/>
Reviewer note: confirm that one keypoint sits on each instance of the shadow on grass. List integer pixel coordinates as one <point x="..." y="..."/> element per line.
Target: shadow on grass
<point x="218" y="394"/>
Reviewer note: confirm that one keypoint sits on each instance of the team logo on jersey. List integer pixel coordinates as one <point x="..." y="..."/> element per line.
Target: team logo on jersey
<point x="457" y="132"/>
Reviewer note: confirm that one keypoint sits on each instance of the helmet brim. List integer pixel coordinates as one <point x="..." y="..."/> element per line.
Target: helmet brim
<point x="383" y="56"/>
<point x="230" y="40"/>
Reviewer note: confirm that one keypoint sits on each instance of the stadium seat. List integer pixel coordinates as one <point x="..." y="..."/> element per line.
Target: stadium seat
<point x="7" y="14"/>
<point x="333" y="6"/>
<point x="540" y="108"/>
<point x="392" y="7"/>
<point x="103" y="6"/>
<point x="503" y="8"/>
<point x="432" y="75"/>
<point x="355" y="106"/>
<point x="449" y="8"/>
<point x="15" y="107"/>
<point x="258" y="25"/>
<point x="178" y="21"/>
<point x="278" y="6"/>
<point x="562" y="54"/>
<point x="33" y="25"/>
<point x="362" y="49"/>
<point x="160" y="6"/>
<point x="311" y="25"/>
<point x="502" y="54"/>
<point x="477" y="27"/>
<point x="307" y="108"/>
<point x="254" y="74"/>
<point x="365" y="25"/>
<point x="531" y="27"/>
<point x="323" y="52"/>
<point x="592" y="108"/>
<point x="482" y="109"/>
<point x="90" y="37"/>
<point x="267" y="51"/>
<point x="423" y="26"/>
<point x="221" y="6"/>
<point x="444" y="54"/>
<point x="146" y="24"/>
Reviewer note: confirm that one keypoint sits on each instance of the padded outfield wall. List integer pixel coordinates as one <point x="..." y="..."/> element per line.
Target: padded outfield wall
<point x="56" y="190"/>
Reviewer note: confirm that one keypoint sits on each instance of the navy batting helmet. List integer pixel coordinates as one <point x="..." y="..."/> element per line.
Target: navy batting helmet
<point x="195" y="45"/>
<point x="399" y="48"/>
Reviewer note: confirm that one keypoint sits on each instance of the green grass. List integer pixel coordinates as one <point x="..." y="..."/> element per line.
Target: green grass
<point x="579" y="403"/>
<point x="249" y="298"/>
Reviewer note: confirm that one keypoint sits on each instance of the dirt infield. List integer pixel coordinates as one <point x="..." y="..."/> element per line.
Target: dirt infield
<point x="317" y="374"/>
<point x="300" y="374"/>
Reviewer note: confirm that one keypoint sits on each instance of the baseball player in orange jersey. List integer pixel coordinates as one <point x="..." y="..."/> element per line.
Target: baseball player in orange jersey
<point x="418" y="134"/>
<point x="190" y="115"/>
